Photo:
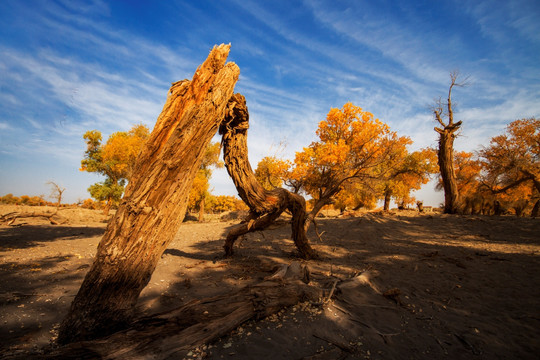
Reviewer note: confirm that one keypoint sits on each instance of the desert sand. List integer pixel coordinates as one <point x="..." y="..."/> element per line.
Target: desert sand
<point x="397" y="285"/>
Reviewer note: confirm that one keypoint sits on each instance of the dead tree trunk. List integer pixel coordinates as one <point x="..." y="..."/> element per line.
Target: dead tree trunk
<point x="155" y="201"/>
<point x="265" y="205"/>
<point x="447" y="134"/>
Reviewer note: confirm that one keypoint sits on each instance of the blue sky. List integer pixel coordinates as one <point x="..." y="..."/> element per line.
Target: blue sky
<point x="71" y="66"/>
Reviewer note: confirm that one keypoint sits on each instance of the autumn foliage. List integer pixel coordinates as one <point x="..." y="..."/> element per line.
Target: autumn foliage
<point x="352" y="147"/>
<point x="511" y="166"/>
<point x="502" y="177"/>
<point x="115" y="160"/>
<point x="356" y="159"/>
<point x="357" y="162"/>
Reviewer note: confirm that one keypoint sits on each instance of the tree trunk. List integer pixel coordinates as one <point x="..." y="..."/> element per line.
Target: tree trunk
<point x="265" y="205"/>
<point x="497" y="208"/>
<point x="325" y="199"/>
<point x="107" y="207"/>
<point x="447" y="134"/>
<point x="201" y="209"/>
<point x="387" y="196"/>
<point x="155" y="201"/>
<point x="446" y="167"/>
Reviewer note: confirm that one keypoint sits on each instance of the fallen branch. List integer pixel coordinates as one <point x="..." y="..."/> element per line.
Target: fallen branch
<point x="173" y="333"/>
<point x="12" y="216"/>
<point x="332" y="290"/>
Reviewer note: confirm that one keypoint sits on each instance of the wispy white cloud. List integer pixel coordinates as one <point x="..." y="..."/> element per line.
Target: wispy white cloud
<point x="297" y="61"/>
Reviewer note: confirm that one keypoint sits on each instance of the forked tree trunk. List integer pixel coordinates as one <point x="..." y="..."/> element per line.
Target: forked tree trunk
<point x="155" y="201"/>
<point x="265" y="205"/>
<point x="324" y="199"/>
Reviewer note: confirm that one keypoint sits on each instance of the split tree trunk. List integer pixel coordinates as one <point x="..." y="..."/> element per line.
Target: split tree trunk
<point x="155" y="201"/>
<point x="265" y="205"/>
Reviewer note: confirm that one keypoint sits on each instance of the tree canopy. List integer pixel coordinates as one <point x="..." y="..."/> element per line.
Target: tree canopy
<point x="115" y="160"/>
<point x="511" y="163"/>
<point x="353" y="147"/>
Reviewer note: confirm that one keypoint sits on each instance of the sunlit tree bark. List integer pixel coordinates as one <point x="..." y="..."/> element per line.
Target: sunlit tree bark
<point x="155" y="201"/>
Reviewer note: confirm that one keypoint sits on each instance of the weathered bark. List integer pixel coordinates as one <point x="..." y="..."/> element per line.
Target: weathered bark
<point x="172" y="334"/>
<point x="265" y="205"/>
<point x="155" y="201"/>
<point x="447" y="134"/>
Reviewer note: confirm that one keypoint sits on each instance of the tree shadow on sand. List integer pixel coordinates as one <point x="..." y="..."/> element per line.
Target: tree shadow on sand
<point x="451" y="276"/>
<point x="21" y="237"/>
<point x="455" y="287"/>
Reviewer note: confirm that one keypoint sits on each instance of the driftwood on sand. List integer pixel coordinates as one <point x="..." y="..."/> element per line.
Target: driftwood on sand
<point x="53" y="217"/>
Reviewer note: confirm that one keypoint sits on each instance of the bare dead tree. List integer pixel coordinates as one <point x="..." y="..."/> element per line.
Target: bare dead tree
<point x="447" y="133"/>
<point x="56" y="192"/>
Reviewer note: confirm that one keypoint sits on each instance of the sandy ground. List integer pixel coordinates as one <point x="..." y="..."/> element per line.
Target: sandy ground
<point x="457" y="287"/>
